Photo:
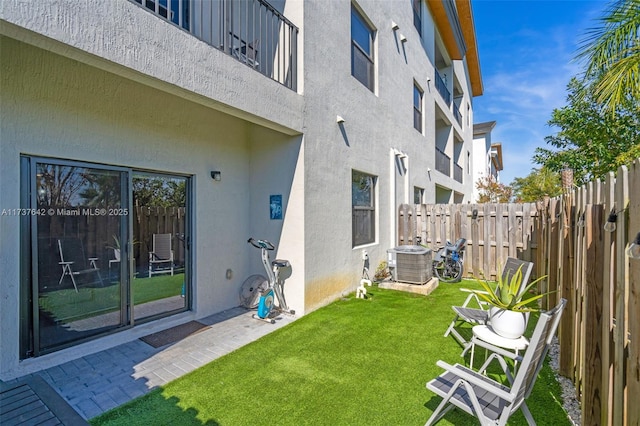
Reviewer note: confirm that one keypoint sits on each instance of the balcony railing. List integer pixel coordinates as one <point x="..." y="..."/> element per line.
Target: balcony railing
<point x="457" y="173"/>
<point x="441" y="87"/>
<point x="456" y="114"/>
<point x="443" y="162"/>
<point x="252" y="31"/>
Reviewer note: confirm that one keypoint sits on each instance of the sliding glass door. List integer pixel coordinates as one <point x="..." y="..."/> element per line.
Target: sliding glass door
<point x="92" y="260"/>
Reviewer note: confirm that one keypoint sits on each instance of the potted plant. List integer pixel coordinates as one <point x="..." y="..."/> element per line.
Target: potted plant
<point x="510" y="303"/>
<point x="116" y="246"/>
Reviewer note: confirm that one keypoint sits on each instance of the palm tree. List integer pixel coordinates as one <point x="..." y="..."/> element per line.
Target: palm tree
<point x="612" y="54"/>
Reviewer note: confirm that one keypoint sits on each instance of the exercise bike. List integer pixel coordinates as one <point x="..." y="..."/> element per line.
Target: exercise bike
<point x="277" y="272"/>
<point x="447" y="262"/>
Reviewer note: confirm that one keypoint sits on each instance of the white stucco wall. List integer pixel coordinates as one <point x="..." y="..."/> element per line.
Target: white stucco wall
<point x="57" y="107"/>
<point x="122" y="37"/>
<point x="481" y="160"/>
<point x="375" y="124"/>
<point x="93" y="81"/>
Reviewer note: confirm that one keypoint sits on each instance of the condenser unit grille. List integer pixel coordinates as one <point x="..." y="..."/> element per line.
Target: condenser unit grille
<point x="414" y="267"/>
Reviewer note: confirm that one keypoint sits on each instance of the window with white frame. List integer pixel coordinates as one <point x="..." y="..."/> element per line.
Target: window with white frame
<point x="363" y="207"/>
<point x="418" y="95"/>
<point x="362" y="61"/>
<point x="418" y="195"/>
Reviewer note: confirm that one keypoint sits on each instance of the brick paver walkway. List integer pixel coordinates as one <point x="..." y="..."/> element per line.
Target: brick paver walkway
<point x="99" y="382"/>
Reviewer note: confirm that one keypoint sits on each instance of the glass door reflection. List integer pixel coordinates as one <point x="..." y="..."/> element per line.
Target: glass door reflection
<point x="79" y="289"/>
<point x="160" y="231"/>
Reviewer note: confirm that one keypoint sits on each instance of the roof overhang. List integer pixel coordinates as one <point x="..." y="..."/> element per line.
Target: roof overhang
<point x="454" y="20"/>
<point x="496" y="156"/>
<point x="480" y="129"/>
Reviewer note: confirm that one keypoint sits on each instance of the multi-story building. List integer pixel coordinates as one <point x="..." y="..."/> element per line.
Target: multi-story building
<point x="143" y="142"/>
<point x="486" y="155"/>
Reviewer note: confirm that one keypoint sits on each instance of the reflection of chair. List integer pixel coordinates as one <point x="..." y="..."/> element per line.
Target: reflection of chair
<point x="74" y="262"/>
<point x="480" y="315"/>
<point x="492" y="402"/>
<point x="116" y="255"/>
<point x="162" y="254"/>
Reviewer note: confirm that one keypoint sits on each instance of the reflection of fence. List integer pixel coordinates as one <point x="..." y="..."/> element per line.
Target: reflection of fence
<point x="499" y="231"/>
<point x="158" y="220"/>
<point x="97" y="231"/>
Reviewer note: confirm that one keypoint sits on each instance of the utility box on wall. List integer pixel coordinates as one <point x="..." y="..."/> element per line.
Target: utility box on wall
<point x="410" y="264"/>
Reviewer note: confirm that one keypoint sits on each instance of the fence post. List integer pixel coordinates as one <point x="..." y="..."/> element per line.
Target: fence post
<point x="633" y="358"/>
<point x="608" y="285"/>
<point x="592" y="395"/>
<point x="621" y="300"/>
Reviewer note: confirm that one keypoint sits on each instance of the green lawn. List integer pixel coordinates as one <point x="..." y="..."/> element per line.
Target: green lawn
<point x="354" y="362"/>
<point x="68" y="305"/>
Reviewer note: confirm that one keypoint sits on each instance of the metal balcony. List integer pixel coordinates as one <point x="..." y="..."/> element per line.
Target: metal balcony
<point x="251" y="31"/>
<point x="456" y="114"/>
<point x="441" y="87"/>
<point x="443" y="163"/>
<point x="457" y="173"/>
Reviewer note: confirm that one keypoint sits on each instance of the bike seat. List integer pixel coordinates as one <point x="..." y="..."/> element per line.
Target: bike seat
<point x="280" y="263"/>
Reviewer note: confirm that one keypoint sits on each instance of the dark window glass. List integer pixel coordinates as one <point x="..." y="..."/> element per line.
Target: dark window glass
<point x="417" y="108"/>
<point x="363" y="204"/>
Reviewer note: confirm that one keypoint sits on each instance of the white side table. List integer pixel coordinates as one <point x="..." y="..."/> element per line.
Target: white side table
<point x="484" y="333"/>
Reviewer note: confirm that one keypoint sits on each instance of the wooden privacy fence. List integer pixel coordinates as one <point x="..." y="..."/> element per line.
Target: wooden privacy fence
<point x="497" y="231"/>
<point x="600" y="331"/>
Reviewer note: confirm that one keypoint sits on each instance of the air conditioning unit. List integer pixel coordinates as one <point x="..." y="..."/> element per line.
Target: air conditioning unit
<point x="410" y="264"/>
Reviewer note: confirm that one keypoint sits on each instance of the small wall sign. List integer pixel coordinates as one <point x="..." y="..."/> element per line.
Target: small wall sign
<point x="275" y="207"/>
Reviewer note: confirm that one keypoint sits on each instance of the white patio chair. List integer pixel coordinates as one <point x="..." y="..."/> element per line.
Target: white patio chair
<point x="488" y="400"/>
<point x="74" y="262"/>
<point x="480" y="315"/>
<point x="162" y="254"/>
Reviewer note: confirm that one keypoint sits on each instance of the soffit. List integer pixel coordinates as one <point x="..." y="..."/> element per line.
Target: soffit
<point x="449" y="22"/>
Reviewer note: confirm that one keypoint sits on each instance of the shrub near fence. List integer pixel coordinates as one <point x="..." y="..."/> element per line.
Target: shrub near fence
<point x="497" y="232"/>
<point x="600" y="342"/>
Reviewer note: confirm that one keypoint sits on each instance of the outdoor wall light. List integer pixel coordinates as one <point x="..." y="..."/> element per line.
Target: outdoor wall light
<point x="216" y="175"/>
<point x="394" y="26"/>
<point x="474" y="214"/>
<point x="633" y="251"/>
<point x="339" y="119"/>
<point x="610" y="225"/>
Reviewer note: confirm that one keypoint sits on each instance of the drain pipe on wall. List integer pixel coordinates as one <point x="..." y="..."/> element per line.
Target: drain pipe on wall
<point x="397" y="158"/>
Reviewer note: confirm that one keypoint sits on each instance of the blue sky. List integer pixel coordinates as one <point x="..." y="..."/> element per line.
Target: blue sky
<point x="526" y="49"/>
